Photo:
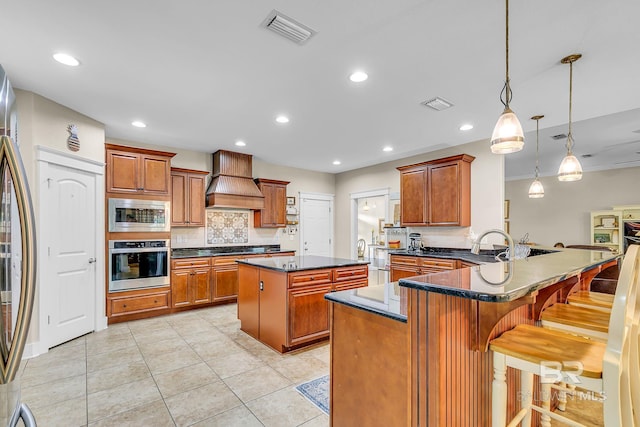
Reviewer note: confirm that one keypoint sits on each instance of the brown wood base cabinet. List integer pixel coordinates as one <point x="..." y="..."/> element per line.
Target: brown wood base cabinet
<point x="287" y="310"/>
<point x="402" y="266"/>
<point x="190" y="281"/>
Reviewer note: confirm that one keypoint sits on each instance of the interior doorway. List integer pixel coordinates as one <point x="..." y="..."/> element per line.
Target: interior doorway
<point x="316" y="224"/>
<point x="71" y="247"/>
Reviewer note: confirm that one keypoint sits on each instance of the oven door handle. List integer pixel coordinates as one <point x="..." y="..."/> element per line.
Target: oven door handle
<point x="137" y="250"/>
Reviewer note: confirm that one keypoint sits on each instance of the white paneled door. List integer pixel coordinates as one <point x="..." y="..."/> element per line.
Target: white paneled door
<point x="316" y="225"/>
<point x="70" y="281"/>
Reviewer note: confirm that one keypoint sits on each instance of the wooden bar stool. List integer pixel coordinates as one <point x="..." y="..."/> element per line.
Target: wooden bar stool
<point x="583" y="321"/>
<point x="591" y="299"/>
<point x="611" y="368"/>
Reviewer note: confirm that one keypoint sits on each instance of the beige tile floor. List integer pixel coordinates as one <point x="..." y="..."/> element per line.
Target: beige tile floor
<point x="194" y="368"/>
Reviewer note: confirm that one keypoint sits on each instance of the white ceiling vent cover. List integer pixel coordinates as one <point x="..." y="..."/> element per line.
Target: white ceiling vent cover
<point x="287" y="27"/>
<point x="437" y="103"/>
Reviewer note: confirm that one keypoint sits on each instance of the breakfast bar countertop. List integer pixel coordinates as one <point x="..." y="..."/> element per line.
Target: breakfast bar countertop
<point x="291" y="264"/>
<point x="508" y="281"/>
<point x="389" y="300"/>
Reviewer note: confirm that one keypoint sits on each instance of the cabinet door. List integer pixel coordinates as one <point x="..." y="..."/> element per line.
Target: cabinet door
<point x="308" y="314"/>
<point x="225" y="282"/>
<point x="444" y="194"/>
<point x="179" y="203"/>
<point x="400" y="271"/>
<point x="273" y="309"/>
<point x="180" y="287"/>
<point x="413" y="197"/>
<point x="195" y="200"/>
<point x="155" y="174"/>
<point x="123" y="172"/>
<point x="279" y="206"/>
<point x="201" y="286"/>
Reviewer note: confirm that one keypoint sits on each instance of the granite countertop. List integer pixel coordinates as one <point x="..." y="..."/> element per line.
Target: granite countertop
<point x="225" y="250"/>
<point x="508" y="281"/>
<point x="389" y="300"/>
<point x="298" y="263"/>
<point x="485" y="255"/>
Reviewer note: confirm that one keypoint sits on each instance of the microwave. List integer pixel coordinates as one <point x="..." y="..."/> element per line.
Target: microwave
<point x="135" y="215"/>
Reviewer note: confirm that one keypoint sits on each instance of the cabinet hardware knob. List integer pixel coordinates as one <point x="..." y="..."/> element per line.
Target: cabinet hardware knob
<point x="124" y="305"/>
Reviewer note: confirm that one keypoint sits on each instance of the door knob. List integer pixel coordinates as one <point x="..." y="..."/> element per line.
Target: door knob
<point x="92" y="260"/>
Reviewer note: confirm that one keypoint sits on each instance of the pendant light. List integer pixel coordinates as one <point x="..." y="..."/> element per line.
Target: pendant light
<point x="570" y="168"/>
<point x="536" y="191"/>
<point x="507" y="136"/>
<point x="365" y="207"/>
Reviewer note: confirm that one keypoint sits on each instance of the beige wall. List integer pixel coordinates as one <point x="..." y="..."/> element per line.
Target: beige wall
<point x="563" y="214"/>
<point x="487" y="177"/>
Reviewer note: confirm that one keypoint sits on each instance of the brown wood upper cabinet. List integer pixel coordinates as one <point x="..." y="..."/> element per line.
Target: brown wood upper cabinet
<point x="133" y="170"/>
<point x="187" y="197"/>
<point x="275" y="204"/>
<point x="437" y="192"/>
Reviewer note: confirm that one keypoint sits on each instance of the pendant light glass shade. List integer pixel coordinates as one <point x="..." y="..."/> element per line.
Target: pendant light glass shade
<point x="536" y="191"/>
<point x="365" y="207"/>
<point x="570" y="168"/>
<point x="507" y="136"/>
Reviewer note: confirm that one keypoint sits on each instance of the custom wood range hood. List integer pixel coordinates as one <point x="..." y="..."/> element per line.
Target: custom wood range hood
<point x="232" y="185"/>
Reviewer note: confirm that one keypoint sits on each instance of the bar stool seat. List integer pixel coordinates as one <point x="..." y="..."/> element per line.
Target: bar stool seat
<point x="591" y="299"/>
<point x="587" y="322"/>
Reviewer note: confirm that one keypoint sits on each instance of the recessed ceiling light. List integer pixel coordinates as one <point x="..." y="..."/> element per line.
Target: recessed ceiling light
<point x="387" y="149"/>
<point x="240" y="143"/>
<point x="466" y="126"/>
<point x="358" y="76"/>
<point x="66" y="59"/>
<point x="282" y="119"/>
<point x="337" y="162"/>
<point x="139" y="124"/>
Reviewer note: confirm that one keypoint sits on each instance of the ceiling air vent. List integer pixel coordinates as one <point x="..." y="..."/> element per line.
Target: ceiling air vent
<point x="559" y="136"/>
<point x="287" y="27"/>
<point x="437" y="103"/>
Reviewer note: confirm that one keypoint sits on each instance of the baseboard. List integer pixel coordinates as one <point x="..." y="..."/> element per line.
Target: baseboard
<point x="34" y="349"/>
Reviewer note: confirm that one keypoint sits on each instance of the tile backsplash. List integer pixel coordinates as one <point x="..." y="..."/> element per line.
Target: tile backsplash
<point x="227" y="227"/>
<point x="195" y="237"/>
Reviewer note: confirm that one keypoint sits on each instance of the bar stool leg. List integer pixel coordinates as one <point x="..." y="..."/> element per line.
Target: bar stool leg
<point x="526" y="395"/>
<point x="499" y="391"/>
<point x="562" y="397"/>
<point x="545" y="397"/>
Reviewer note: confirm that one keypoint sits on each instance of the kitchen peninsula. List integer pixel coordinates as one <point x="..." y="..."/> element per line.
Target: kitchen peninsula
<point x="438" y="362"/>
<point x="281" y="299"/>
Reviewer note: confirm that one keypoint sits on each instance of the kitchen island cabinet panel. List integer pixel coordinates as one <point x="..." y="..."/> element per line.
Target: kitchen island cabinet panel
<point x="272" y="309"/>
<point x="286" y="296"/>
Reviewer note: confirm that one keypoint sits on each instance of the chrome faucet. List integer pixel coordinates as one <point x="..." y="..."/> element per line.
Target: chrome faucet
<point x="475" y="247"/>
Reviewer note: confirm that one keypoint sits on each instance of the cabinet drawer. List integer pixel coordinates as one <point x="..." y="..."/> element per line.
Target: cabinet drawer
<point x="352" y="284"/>
<point x="226" y="260"/>
<point x="350" y="273"/>
<point x="190" y="263"/>
<point x="308" y="278"/>
<point x="139" y="303"/>
<point x="405" y="260"/>
<point x="439" y="264"/>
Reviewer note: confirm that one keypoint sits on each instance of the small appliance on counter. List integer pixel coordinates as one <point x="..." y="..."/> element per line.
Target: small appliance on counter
<point x="415" y="241"/>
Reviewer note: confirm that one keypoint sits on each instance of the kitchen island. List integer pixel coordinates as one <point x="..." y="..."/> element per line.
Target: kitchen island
<point x="281" y="299"/>
<point x="451" y="317"/>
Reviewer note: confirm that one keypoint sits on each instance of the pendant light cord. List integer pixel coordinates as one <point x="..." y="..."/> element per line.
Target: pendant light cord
<point x="506" y="89"/>
<point x="537" y="133"/>
<point x="570" y="136"/>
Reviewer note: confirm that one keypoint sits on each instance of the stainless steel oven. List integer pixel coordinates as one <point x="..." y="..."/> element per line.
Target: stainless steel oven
<point x="138" y="264"/>
<point x="138" y="215"/>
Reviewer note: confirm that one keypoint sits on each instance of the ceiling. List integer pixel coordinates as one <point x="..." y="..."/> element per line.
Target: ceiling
<point x="204" y="74"/>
